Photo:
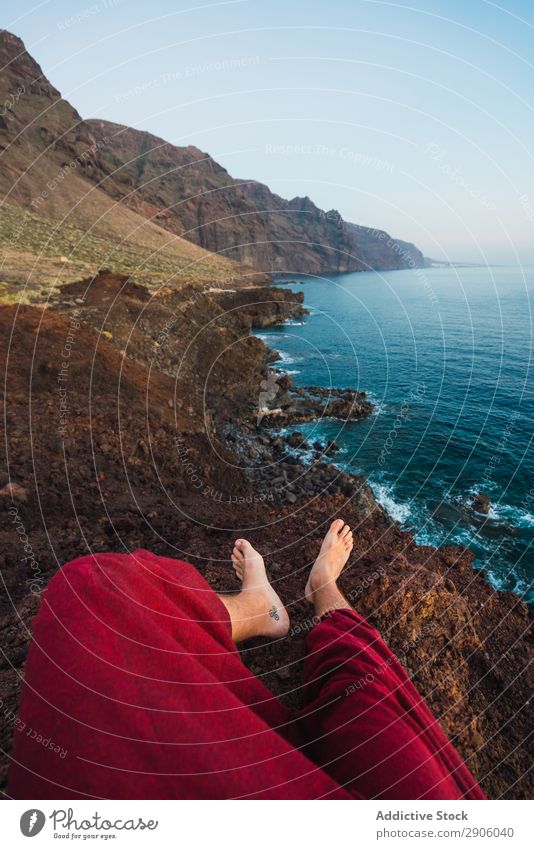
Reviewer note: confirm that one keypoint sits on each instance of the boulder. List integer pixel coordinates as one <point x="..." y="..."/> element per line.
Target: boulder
<point x="481" y="503"/>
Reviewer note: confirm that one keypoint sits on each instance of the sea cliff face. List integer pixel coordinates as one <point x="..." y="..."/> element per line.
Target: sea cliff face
<point x="150" y="438"/>
<point x="119" y="182"/>
<point x="193" y="196"/>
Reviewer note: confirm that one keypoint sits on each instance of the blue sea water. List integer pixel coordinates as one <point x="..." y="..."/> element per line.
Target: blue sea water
<point x="446" y="356"/>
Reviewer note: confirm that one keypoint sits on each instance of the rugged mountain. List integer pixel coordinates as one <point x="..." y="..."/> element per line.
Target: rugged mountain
<point x="377" y="249"/>
<point x="190" y="194"/>
<point x="50" y="167"/>
<point x="128" y="185"/>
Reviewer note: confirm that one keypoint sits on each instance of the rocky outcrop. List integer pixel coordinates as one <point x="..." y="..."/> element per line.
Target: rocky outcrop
<point x="262" y="306"/>
<point x="481" y="503"/>
<point x="289" y="404"/>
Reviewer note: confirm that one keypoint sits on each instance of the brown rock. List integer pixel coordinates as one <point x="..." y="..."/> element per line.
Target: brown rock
<point x="481" y="503"/>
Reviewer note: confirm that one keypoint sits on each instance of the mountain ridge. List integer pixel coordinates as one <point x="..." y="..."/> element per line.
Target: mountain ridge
<point x="101" y="174"/>
<point x="244" y="217"/>
<point x="50" y="168"/>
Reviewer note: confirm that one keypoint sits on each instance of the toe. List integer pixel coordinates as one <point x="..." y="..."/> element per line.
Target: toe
<point x="346" y="530"/>
<point x="243" y="546"/>
<point x="336" y="525"/>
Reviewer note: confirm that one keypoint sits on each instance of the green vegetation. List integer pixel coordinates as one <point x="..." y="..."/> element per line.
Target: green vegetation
<point x="43" y="253"/>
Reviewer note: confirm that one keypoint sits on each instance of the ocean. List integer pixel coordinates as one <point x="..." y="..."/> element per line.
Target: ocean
<point x="445" y="355"/>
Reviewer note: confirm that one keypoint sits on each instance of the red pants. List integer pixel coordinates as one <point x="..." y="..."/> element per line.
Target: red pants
<point x="134" y="689"/>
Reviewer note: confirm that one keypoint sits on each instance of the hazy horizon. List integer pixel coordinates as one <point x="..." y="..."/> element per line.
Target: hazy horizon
<point x="416" y="121"/>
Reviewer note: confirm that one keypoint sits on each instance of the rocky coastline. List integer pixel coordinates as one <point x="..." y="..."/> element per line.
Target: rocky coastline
<point x="161" y="441"/>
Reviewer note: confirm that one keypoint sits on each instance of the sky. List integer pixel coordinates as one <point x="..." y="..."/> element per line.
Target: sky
<point x="412" y="117"/>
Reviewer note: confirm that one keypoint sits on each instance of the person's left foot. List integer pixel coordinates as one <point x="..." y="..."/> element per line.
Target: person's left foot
<point x="273" y="620"/>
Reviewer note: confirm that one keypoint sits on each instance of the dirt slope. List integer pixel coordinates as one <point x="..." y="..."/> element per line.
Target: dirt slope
<point x="50" y="167"/>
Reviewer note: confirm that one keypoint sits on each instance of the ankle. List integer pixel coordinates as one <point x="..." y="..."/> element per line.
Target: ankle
<point x="253" y="600"/>
<point x="322" y="578"/>
<point x="328" y="598"/>
<point x="247" y="612"/>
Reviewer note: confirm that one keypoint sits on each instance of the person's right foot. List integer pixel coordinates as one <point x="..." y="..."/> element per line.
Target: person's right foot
<point x="335" y="550"/>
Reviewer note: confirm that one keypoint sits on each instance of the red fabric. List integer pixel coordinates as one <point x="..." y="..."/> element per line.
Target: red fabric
<point x="134" y="689"/>
<point x="367" y="724"/>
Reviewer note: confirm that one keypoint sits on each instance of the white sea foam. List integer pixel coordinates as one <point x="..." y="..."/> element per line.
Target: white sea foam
<point x="427" y="537"/>
<point x="380" y="405"/>
<point x="286" y="359"/>
<point x="498" y="511"/>
<point x="396" y="509"/>
<point x="482" y="487"/>
<point x="512" y="515"/>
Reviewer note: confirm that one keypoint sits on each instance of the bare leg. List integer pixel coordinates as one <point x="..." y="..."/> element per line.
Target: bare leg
<point x="257" y="610"/>
<point x="321" y="589"/>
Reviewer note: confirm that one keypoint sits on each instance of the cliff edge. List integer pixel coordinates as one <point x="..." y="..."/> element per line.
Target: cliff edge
<point x="146" y="439"/>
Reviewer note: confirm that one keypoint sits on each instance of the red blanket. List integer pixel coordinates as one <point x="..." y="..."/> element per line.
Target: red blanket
<point x="134" y="689"/>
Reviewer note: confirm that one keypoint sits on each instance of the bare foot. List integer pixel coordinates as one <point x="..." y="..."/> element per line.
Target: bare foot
<point x="335" y="550"/>
<point x="259" y="598"/>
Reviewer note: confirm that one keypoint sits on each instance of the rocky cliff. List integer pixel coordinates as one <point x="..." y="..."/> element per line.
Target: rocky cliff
<point x="190" y="194"/>
<point x="51" y="169"/>
<point x="149" y="438"/>
<point x="62" y="167"/>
